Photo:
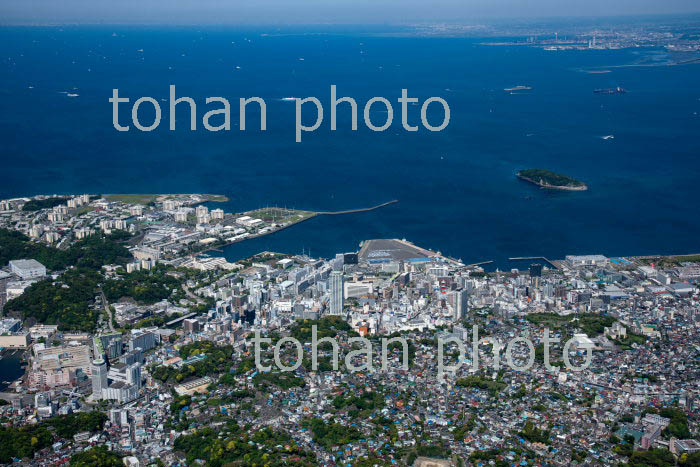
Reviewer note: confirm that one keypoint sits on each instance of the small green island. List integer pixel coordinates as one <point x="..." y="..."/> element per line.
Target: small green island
<point x="548" y="179"/>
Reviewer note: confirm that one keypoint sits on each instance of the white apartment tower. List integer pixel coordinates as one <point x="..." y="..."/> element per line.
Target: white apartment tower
<point x="99" y="378"/>
<point x="460" y="304"/>
<point x="336" y="291"/>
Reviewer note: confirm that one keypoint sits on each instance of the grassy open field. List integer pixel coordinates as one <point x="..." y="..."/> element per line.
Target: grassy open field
<point x="150" y="198"/>
<point x="132" y="199"/>
<point x="280" y="215"/>
<point x="669" y="261"/>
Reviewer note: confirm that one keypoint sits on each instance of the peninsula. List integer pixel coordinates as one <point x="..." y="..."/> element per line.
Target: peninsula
<point x="548" y="179"/>
<point x="168" y="227"/>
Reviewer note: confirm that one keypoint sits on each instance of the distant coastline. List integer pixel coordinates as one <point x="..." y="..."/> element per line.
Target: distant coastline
<point x="551" y="180"/>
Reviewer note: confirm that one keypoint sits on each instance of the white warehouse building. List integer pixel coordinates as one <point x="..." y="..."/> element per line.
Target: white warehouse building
<point x="27" y="268"/>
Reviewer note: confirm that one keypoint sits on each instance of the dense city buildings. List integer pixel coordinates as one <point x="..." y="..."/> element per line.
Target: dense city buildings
<point x="159" y="364"/>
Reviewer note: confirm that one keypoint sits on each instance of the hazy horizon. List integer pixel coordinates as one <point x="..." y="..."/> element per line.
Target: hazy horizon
<point x="299" y="12"/>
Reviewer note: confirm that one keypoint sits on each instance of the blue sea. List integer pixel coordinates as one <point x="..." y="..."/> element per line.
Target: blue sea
<point x="457" y="188"/>
<point x="10" y="368"/>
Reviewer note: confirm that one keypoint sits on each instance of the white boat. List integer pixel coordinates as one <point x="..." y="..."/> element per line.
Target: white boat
<point x="518" y="88"/>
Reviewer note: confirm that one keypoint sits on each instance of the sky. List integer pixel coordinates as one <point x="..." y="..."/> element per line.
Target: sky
<point x="318" y="11"/>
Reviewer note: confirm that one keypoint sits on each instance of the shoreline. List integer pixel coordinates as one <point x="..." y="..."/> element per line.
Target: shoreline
<point x="11" y="364"/>
<point x="219" y="248"/>
<point x="311" y="214"/>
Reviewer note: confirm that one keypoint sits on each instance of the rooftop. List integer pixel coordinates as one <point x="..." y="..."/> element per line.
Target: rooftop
<point x="386" y="250"/>
<point x="26" y="264"/>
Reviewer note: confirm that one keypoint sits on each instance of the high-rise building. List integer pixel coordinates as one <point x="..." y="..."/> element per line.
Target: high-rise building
<point x="108" y="345"/>
<point x="548" y="290"/>
<point x="99" y="377"/>
<point x="126" y="374"/>
<point x="535" y="270"/>
<point x="460" y="303"/>
<point x="133" y="356"/>
<point x="535" y="274"/>
<point x="350" y="258"/>
<point x="191" y="326"/>
<point x="145" y="340"/>
<point x="336" y="291"/>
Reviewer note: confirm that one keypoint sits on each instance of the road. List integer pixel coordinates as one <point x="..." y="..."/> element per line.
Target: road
<point x="191" y="295"/>
<point x="105" y="303"/>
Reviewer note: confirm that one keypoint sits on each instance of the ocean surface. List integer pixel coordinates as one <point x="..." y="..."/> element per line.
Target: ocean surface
<point x="457" y="189"/>
<point x="10" y="368"/>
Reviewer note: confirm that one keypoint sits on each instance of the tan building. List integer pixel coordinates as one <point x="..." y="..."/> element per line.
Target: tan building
<point x="18" y="340"/>
<point x="47" y="331"/>
<point x="430" y="462"/>
<point x="199" y="385"/>
<point x="62" y="357"/>
<point x="38" y="380"/>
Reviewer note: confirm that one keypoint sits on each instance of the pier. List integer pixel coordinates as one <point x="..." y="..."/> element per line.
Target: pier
<point x="525" y="258"/>
<point x="219" y="248"/>
<point x="351" y="211"/>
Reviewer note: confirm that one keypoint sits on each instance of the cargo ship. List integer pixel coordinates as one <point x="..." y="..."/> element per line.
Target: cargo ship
<point x="617" y="90"/>
<point x="518" y="88"/>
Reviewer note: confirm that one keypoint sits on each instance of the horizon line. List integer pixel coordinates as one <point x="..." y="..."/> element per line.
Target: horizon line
<point x="689" y="16"/>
